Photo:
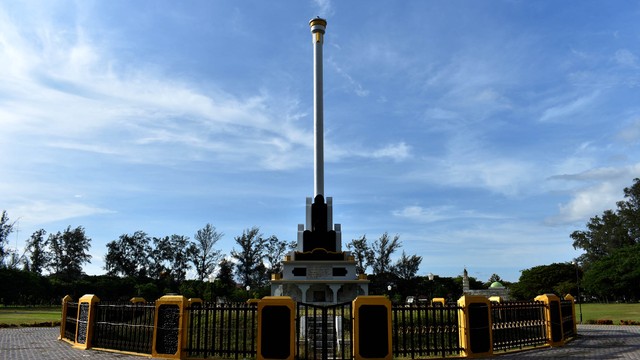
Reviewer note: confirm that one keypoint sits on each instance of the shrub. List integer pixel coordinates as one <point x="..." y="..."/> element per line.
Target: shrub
<point x="629" y="322"/>
<point x="604" y="322"/>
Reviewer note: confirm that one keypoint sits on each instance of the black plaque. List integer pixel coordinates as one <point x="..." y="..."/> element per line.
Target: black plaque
<point x="556" y="321"/>
<point x="168" y="325"/>
<point x="276" y="332"/>
<point x="479" y="331"/>
<point x="83" y="323"/>
<point x="373" y="338"/>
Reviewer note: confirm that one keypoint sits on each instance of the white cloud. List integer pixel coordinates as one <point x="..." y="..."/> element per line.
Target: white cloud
<point x="631" y="133"/>
<point x="397" y="152"/>
<point x="588" y="202"/>
<point x="39" y="212"/>
<point x="605" y="189"/>
<point x="70" y="93"/>
<point x="325" y="7"/>
<point x="353" y="85"/>
<point x="439" y="213"/>
<point x="571" y="108"/>
<point x="626" y="58"/>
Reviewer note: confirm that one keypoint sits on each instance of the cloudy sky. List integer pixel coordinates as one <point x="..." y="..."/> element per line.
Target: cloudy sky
<point x="482" y="132"/>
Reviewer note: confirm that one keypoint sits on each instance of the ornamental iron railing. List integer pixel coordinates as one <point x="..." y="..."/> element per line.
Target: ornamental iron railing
<point x="517" y="325"/>
<point x="124" y="326"/>
<point x="420" y="330"/>
<point x="70" y="320"/>
<point x="221" y="330"/>
<point x="324" y="331"/>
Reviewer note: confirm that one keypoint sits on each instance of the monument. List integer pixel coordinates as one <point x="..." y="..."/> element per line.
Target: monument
<point x="318" y="271"/>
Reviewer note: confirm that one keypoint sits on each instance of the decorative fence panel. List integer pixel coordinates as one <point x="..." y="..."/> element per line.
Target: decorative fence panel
<point x="324" y="331"/>
<point x="421" y="330"/>
<point x="518" y="324"/>
<point x="124" y="326"/>
<point x="225" y="331"/>
<point x="70" y="320"/>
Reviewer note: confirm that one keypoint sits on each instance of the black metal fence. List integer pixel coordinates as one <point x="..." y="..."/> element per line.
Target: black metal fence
<point x="71" y="320"/>
<point x="124" y="326"/>
<point x="420" y="330"/>
<point x="225" y="331"/>
<point x="517" y="325"/>
<point x="230" y="330"/>
<point x="324" y="331"/>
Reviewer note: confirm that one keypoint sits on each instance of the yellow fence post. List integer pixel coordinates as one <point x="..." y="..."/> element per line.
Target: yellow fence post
<point x="169" y="326"/>
<point x="84" y="325"/>
<point x="474" y="323"/>
<point x="372" y="328"/>
<point x="276" y="328"/>
<point x="553" y="318"/>
<point x="63" y="321"/>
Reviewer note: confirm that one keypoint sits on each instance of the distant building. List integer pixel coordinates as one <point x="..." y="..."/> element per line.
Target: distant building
<point x="496" y="289"/>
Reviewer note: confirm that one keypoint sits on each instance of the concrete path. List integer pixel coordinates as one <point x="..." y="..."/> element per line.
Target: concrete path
<point x="594" y="342"/>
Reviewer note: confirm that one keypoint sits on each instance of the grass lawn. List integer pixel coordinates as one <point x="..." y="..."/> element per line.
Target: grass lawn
<point x="615" y="312"/>
<point x="29" y="315"/>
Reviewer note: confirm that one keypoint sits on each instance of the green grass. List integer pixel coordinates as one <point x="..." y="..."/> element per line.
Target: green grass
<point x="615" y="312"/>
<point x="16" y="316"/>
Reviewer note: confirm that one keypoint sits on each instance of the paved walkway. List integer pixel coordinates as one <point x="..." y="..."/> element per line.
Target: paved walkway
<point x="594" y="342"/>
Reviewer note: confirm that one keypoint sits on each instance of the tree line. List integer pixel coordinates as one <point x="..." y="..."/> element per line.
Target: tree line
<point x="139" y="265"/>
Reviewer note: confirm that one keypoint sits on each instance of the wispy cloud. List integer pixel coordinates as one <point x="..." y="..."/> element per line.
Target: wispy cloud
<point x="39" y="213"/>
<point x="352" y="84"/>
<point x="626" y="58"/>
<point x="399" y="151"/>
<point x="631" y="133"/>
<point x="439" y="213"/>
<point x="324" y="7"/>
<point x="86" y="100"/>
<point x="569" y="108"/>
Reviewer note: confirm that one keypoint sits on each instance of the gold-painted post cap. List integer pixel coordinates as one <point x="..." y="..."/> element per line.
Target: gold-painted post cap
<point x="318" y="24"/>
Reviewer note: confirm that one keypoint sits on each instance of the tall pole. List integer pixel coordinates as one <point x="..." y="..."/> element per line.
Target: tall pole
<point x="318" y="27"/>
<point x="578" y="285"/>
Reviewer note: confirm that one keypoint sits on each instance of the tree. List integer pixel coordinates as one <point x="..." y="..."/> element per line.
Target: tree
<point x="611" y="231"/>
<point x="69" y="251"/>
<point x="249" y="266"/>
<point x="171" y="257"/>
<point x="206" y="257"/>
<point x="629" y="210"/>
<point x="382" y="250"/>
<point x="362" y="253"/>
<point x="615" y="276"/>
<point x="274" y="252"/>
<point x="224" y="282"/>
<point x="38" y="255"/>
<point x="129" y="255"/>
<point x="6" y="228"/>
<point x="406" y="267"/>
<point x="603" y="236"/>
<point x="543" y="279"/>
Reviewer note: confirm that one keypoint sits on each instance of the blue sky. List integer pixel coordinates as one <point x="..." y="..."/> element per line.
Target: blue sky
<point x="482" y="132"/>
